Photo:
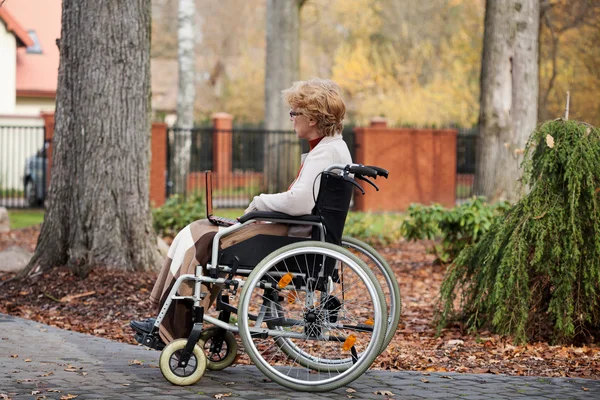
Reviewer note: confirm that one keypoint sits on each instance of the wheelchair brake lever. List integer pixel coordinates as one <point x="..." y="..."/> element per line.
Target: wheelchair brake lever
<point x="370" y="182"/>
<point x="352" y="181"/>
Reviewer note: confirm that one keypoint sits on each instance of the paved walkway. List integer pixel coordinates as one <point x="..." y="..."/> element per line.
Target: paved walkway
<point x="39" y="361"/>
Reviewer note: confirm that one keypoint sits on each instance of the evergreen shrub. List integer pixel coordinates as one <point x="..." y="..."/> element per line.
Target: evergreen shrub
<point x="457" y="227"/>
<point x="536" y="273"/>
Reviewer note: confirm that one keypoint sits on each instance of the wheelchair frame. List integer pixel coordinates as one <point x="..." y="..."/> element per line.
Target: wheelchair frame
<point x="281" y="336"/>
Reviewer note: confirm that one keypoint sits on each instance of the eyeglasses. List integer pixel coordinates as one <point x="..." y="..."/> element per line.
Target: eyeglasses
<point x="294" y="114"/>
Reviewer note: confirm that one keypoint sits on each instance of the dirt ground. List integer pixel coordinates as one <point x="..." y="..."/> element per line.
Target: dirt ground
<point x="103" y="305"/>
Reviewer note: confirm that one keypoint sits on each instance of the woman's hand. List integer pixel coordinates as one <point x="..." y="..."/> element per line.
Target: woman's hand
<point x="251" y="207"/>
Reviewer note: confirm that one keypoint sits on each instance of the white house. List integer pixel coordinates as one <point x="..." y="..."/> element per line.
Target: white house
<point x="29" y="58"/>
<point x="28" y="77"/>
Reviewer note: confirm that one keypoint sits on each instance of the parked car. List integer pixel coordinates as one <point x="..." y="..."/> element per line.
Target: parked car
<point x="34" y="178"/>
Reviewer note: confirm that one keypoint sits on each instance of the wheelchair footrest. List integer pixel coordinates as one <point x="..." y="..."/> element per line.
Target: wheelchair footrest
<point x="150" y="340"/>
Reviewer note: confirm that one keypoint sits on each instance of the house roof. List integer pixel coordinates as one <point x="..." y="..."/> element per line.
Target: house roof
<point x="37" y="74"/>
<point x="23" y="39"/>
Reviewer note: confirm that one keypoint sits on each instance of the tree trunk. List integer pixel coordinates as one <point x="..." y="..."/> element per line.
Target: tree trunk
<point x="186" y="94"/>
<point x="98" y="205"/>
<point x="282" y="158"/>
<point x="509" y="95"/>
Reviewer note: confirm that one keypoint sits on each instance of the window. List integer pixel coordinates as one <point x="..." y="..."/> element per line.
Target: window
<point x="36" y="48"/>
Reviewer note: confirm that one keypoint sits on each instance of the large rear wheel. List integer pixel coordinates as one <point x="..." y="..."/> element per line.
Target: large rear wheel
<point x="386" y="278"/>
<point x="312" y="316"/>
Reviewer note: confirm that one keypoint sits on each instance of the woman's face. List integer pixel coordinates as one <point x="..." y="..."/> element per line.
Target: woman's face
<point x="304" y="126"/>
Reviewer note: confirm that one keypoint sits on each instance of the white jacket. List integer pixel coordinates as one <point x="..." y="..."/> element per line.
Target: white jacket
<point x="299" y="200"/>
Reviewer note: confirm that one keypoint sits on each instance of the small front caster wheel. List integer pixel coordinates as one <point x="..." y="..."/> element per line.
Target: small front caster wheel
<point x="221" y="351"/>
<point x="179" y="375"/>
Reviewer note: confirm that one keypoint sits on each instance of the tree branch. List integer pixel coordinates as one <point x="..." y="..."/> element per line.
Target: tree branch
<point x="554" y="47"/>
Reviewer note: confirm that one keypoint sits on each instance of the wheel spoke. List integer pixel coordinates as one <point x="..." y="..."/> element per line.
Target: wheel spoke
<point x="315" y="359"/>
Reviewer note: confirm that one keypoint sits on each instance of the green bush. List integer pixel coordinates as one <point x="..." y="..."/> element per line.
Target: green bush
<point x="457" y="227"/>
<point x="535" y="274"/>
<point x="374" y="228"/>
<point x="177" y="213"/>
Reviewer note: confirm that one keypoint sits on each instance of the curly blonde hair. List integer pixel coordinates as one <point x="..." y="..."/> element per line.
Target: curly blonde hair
<point x="320" y="99"/>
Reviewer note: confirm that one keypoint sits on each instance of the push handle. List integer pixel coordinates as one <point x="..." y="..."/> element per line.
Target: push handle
<point x="362" y="170"/>
<point x="380" y="171"/>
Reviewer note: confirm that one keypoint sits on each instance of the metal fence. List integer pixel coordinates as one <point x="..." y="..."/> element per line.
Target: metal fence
<point x="265" y="162"/>
<point x="245" y="162"/>
<point x="259" y="161"/>
<point x="466" y="149"/>
<point x="22" y="166"/>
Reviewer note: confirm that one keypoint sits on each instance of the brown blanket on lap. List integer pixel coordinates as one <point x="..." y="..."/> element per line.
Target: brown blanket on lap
<point x="192" y="247"/>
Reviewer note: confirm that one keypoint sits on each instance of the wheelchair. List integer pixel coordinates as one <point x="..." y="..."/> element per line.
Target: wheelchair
<point x="311" y="312"/>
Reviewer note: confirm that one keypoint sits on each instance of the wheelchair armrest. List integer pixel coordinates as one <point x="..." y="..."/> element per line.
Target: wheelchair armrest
<point x="274" y="216"/>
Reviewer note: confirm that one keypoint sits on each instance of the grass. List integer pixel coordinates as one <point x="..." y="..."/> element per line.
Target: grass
<point x="463" y="190"/>
<point x="229" y="212"/>
<point x="25" y="218"/>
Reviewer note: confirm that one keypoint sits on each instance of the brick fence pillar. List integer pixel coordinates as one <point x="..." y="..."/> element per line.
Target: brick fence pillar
<point x="222" y="143"/>
<point x="158" y="164"/>
<point x="421" y="162"/>
<point x="48" y="118"/>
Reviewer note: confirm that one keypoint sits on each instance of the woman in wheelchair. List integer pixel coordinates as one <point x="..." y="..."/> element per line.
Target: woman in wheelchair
<point x="317" y="110"/>
<point x="310" y="312"/>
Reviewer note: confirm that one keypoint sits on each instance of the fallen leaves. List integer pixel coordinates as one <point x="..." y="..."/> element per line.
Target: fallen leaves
<point x="120" y="297"/>
<point x="384" y="393"/>
<point x="221" y="395"/>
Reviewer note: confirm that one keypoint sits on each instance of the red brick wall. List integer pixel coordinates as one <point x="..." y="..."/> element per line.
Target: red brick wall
<point x="422" y="165"/>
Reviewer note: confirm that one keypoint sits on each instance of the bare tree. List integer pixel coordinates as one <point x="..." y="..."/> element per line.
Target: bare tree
<point x="282" y="68"/>
<point x="509" y="95"/>
<point x="98" y="205"/>
<point x="186" y="95"/>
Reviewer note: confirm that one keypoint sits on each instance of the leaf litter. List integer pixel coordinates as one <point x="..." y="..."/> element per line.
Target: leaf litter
<point x="105" y="302"/>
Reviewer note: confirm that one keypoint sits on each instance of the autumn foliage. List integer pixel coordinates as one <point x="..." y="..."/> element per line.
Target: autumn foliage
<point x="536" y="273"/>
